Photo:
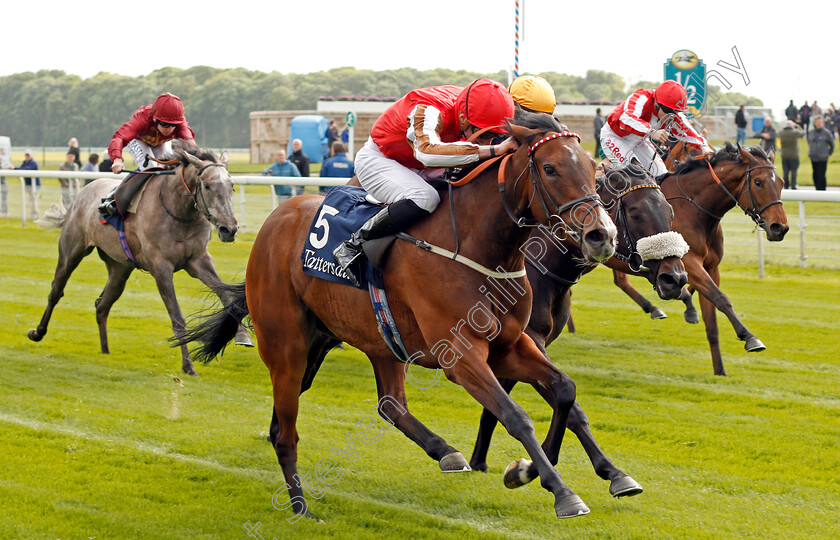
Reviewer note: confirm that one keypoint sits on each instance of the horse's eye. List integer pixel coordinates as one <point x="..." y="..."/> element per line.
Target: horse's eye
<point x="206" y="185"/>
<point x="549" y="169"/>
<point x="758" y="183"/>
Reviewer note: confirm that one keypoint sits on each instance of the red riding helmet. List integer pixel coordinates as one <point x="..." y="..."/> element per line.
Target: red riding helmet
<point x="485" y="104"/>
<point x="168" y="108"/>
<point x="671" y="94"/>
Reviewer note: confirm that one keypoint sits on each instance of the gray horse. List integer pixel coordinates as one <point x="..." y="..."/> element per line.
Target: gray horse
<point x="168" y="232"/>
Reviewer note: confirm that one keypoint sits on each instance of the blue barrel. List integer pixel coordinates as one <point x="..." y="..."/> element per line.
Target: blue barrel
<point x="758" y="123"/>
<point x="311" y="129"/>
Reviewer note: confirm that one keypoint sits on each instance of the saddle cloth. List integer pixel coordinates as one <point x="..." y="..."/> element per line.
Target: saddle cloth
<point x="343" y="212"/>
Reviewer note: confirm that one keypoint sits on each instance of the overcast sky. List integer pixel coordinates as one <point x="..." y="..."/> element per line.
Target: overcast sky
<point x="786" y="53"/>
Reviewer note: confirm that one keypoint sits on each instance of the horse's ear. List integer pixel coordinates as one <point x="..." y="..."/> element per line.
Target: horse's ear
<point x="771" y="155"/>
<point x="746" y="157"/>
<point x="194" y="161"/>
<point x="521" y="134"/>
<point x="224" y="158"/>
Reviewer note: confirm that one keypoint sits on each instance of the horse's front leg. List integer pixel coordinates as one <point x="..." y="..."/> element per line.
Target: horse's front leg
<point x="522" y="361"/>
<point x="393" y="407"/>
<point x="623" y="282"/>
<point x="706" y="283"/>
<point x="203" y="269"/>
<point x="162" y="272"/>
<point x="690" y="313"/>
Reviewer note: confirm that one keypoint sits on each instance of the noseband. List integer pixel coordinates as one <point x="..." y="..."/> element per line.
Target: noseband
<point x="552" y="209"/>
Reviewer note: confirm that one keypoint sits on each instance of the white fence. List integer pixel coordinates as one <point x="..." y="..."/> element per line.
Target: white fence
<point x="817" y="236"/>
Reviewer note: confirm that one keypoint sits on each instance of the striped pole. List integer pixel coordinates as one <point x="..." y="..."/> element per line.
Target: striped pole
<point x="516" y="44"/>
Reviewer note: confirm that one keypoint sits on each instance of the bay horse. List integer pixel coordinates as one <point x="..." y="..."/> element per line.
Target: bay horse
<point x="643" y="218"/>
<point x="701" y="192"/>
<point x="470" y="326"/>
<point x="169" y="232"/>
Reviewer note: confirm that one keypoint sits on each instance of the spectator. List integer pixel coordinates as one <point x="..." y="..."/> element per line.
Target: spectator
<point x="345" y="136"/>
<point x="332" y="136"/>
<point x="741" y="125"/>
<point x="5" y="163"/>
<point x="301" y="161"/>
<point x="767" y="135"/>
<point x="828" y="118"/>
<point x="282" y="167"/>
<point x="68" y="185"/>
<point x="820" y="147"/>
<point x="338" y="166"/>
<point x="598" y="124"/>
<point x="90" y="166"/>
<point x="74" y="149"/>
<point x="789" y="141"/>
<point x="33" y="185"/>
<point x="106" y="164"/>
<point x="837" y="121"/>
<point x="805" y="115"/>
<point x="791" y="112"/>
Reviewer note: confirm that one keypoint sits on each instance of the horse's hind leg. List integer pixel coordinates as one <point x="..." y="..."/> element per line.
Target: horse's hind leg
<point x="393" y="407"/>
<point x="71" y="251"/>
<point x="623" y="282"/>
<point x="117" y="277"/>
<point x="486" y="426"/>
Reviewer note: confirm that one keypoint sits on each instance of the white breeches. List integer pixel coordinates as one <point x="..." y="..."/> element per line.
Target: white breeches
<point x="139" y="150"/>
<point x="620" y="150"/>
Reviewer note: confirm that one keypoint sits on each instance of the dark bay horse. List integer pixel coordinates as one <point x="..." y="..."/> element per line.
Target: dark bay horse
<point x="643" y="218"/>
<point x="169" y="232"/>
<point x="452" y="317"/>
<point x="701" y="192"/>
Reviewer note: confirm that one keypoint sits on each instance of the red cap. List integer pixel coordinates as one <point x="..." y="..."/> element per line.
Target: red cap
<point x="168" y="108"/>
<point x="672" y="95"/>
<point x="486" y="104"/>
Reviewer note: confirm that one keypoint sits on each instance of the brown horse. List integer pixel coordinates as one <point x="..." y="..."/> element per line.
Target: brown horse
<point x="701" y="192"/>
<point x="643" y="218"/>
<point x="169" y="232"/>
<point x="452" y="317"/>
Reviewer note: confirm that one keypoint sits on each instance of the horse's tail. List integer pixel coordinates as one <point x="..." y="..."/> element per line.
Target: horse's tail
<point x="53" y="218"/>
<point x="214" y="331"/>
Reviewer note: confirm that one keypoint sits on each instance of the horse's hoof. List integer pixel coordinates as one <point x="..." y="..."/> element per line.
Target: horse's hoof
<point x="480" y="467"/>
<point x="244" y="339"/>
<point x="34" y="335"/>
<point x="570" y="506"/>
<point x="189" y="371"/>
<point x="754" y="345"/>
<point x="454" y="462"/>
<point x="691" y="317"/>
<point x="624" y="487"/>
<point x="658" y="314"/>
<point x="516" y="474"/>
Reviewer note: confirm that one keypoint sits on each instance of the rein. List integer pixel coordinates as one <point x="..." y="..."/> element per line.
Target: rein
<point x="746" y="183"/>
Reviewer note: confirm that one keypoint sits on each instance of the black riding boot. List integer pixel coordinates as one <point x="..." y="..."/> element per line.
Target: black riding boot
<point x="119" y="201"/>
<point x="390" y="220"/>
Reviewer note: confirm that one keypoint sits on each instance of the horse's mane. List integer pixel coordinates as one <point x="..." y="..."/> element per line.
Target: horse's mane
<point x="203" y="154"/>
<point x="729" y="152"/>
<point x="537" y="121"/>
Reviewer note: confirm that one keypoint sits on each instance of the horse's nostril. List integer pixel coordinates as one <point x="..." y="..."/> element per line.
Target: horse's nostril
<point x="595" y="237"/>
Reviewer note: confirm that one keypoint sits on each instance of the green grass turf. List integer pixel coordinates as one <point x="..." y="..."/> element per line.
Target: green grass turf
<point x="124" y="446"/>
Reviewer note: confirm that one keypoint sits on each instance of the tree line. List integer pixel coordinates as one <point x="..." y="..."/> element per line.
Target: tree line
<point x="48" y="107"/>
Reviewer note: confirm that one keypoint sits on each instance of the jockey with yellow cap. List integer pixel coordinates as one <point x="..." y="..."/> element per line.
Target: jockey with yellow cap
<point x="656" y="114"/>
<point x="533" y="93"/>
<point x="426" y="129"/>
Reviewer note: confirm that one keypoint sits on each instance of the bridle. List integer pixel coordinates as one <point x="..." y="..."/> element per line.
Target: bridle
<point x="551" y="208"/>
<point x="621" y="223"/>
<point x="746" y="183"/>
<point x="203" y="208"/>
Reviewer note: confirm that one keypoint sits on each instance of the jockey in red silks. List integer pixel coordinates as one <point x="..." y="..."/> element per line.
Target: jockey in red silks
<point x="424" y="130"/>
<point x="148" y="133"/>
<point x="649" y="113"/>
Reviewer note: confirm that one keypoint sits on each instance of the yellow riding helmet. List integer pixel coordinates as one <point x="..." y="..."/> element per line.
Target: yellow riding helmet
<point x="534" y="93"/>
